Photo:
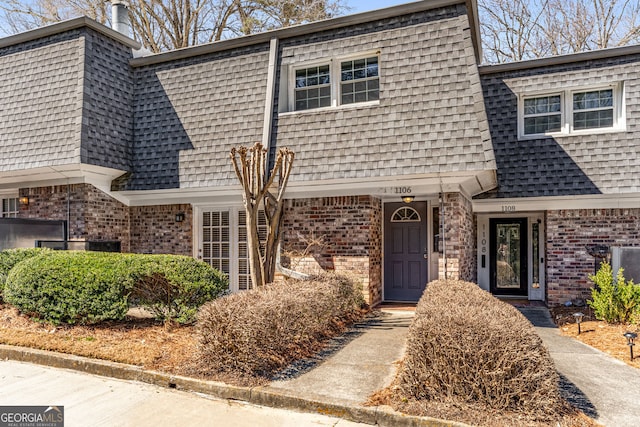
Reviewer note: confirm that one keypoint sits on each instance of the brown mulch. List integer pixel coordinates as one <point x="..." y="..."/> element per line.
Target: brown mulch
<point x="606" y="337"/>
<point x="136" y="341"/>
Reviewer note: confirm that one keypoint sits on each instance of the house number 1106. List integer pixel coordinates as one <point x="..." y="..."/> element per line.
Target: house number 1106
<point x="402" y="190"/>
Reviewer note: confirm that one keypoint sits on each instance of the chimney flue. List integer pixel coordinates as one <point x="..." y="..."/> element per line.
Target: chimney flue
<point x="120" y="17"/>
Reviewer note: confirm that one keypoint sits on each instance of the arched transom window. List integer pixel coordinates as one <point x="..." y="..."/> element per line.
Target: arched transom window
<point x="405" y="214"/>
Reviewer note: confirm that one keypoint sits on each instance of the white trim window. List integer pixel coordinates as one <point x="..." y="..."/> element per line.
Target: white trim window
<point x="313" y="87"/>
<point x="572" y="111"/>
<point x="10" y="208"/>
<point x="542" y="114"/>
<point x="335" y="81"/>
<point x="221" y="236"/>
<point x="359" y="80"/>
<point x="593" y="109"/>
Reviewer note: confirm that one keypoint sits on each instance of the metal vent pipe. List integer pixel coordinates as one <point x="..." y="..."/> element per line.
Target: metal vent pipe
<point x="120" y="17"/>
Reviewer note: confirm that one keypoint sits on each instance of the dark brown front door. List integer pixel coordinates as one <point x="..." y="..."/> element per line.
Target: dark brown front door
<point x="405" y="251"/>
<point x="509" y="257"/>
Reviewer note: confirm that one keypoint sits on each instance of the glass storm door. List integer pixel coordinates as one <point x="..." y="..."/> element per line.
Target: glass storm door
<point x="405" y="251"/>
<point x="509" y="258"/>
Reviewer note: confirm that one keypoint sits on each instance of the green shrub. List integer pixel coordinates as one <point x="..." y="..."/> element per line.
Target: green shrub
<point x="467" y="348"/>
<point x="71" y="287"/>
<point x="89" y="287"/>
<point x="258" y="332"/>
<point x="614" y="300"/>
<point x="10" y="257"/>
<point x="174" y="287"/>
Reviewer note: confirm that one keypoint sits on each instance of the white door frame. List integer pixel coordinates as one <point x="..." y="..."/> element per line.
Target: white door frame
<point x="535" y="292"/>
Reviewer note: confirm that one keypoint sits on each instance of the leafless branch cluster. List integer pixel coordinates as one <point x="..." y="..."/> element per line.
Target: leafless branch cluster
<point x="262" y="191"/>
<point x="172" y="24"/>
<point x="515" y="30"/>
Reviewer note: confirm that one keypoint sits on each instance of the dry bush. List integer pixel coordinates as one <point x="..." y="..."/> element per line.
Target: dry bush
<point x="465" y="347"/>
<point x="258" y="332"/>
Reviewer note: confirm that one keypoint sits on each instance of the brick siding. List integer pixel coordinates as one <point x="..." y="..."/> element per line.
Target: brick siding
<point x="460" y="243"/>
<point x="92" y="214"/>
<point x="154" y="230"/>
<point x="568" y="234"/>
<point x="347" y="232"/>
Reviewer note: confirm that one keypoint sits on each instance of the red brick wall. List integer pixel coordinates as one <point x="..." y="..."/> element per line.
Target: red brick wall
<point x="92" y="214"/>
<point x="348" y="236"/>
<point x="154" y="230"/>
<point x="459" y="239"/>
<point x="568" y="234"/>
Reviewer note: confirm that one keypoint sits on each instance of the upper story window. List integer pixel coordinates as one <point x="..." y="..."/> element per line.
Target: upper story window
<point x="542" y="114"/>
<point x="359" y="81"/>
<point x="334" y="82"/>
<point x="313" y="87"/>
<point x="10" y="208"/>
<point x="592" y="110"/>
<point x="572" y="111"/>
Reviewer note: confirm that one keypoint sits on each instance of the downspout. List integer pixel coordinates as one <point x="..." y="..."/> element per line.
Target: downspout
<point x="267" y="140"/>
<point x="68" y="211"/>
<point x="286" y="271"/>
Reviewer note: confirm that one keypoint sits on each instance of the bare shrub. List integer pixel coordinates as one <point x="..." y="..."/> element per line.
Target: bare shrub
<point x="465" y="347"/>
<point x="258" y="332"/>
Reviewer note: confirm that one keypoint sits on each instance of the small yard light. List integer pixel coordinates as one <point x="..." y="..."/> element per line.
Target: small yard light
<point x="180" y="217"/>
<point x="630" y="336"/>
<point x="24" y="200"/>
<point x="578" y="317"/>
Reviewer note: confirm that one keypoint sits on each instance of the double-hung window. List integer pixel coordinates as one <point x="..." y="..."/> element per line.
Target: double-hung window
<point x="572" y="111"/>
<point x="542" y="114"/>
<point x="359" y="80"/>
<point x="593" y="109"/>
<point x="336" y="81"/>
<point x="10" y="208"/>
<point x="313" y="87"/>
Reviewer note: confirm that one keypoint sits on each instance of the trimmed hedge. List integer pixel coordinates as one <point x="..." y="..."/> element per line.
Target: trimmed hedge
<point x="173" y="287"/>
<point x="10" y="257"/>
<point x="465" y="346"/>
<point x="89" y="287"/>
<point x="258" y="332"/>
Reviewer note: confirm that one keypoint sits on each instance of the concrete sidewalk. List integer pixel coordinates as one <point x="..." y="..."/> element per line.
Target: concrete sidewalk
<point x="364" y="363"/>
<point x="335" y="384"/>
<point x="603" y="387"/>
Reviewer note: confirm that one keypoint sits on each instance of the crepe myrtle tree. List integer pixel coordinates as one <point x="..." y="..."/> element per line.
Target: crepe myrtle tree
<point x="262" y="190"/>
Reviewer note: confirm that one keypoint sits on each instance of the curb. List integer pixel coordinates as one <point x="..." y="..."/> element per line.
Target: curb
<point x="374" y="415"/>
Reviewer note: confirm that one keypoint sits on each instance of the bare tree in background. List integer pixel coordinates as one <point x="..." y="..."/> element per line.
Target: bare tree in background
<point x="262" y="191"/>
<point x="515" y="30"/>
<point x="172" y="24"/>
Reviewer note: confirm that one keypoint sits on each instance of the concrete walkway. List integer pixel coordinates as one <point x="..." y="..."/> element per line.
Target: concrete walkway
<point x="603" y="387"/>
<point x="369" y="351"/>
<point x="90" y="400"/>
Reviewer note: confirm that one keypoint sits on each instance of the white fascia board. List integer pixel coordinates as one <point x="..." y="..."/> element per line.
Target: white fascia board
<point x="58" y="175"/>
<point x="388" y="188"/>
<point x="532" y="204"/>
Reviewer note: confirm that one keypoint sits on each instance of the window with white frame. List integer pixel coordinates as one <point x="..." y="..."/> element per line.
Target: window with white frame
<point x="542" y="114"/>
<point x="336" y="81"/>
<point x="593" y="109"/>
<point x="313" y="87"/>
<point x="223" y="243"/>
<point x="10" y="207"/>
<point x="359" y="80"/>
<point x="572" y="111"/>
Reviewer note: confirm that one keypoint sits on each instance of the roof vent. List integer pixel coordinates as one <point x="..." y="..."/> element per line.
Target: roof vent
<point x="120" y="17"/>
